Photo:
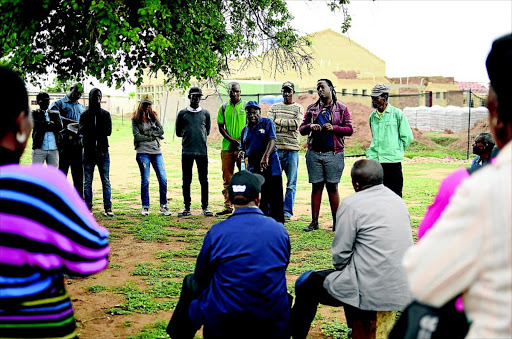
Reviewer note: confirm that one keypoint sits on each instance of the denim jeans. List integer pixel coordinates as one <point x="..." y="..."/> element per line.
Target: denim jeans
<point x="103" y="163"/>
<point x="289" y="163"/>
<point x="157" y="161"/>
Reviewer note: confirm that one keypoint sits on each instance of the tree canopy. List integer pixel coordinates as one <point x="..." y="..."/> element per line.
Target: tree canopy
<point x="180" y="38"/>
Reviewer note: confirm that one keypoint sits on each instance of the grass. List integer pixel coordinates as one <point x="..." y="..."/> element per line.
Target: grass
<point x="156" y="282"/>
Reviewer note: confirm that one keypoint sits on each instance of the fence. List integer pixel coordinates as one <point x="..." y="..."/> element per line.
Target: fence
<point x="456" y="115"/>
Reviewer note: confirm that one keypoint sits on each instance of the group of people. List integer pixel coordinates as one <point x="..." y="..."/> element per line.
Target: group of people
<point x="239" y="283"/>
<point x="66" y="135"/>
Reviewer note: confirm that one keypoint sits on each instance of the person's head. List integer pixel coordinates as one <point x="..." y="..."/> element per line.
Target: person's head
<point x="16" y="123"/>
<point x="144" y="111"/>
<point x="75" y="92"/>
<point x="244" y="189"/>
<point x="95" y="99"/>
<point x="380" y="95"/>
<point x="194" y="95"/>
<point x="326" y="92"/>
<point x="288" y="90"/>
<point x="484" y="143"/>
<point x="366" y="173"/>
<point x="234" y="92"/>
<point x="498" y="102"/>
<point x="253" y="112"/>
<point x="43" y="100"/>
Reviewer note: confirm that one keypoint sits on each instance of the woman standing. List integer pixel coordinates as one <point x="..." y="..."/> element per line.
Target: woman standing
<point x="326" y="123"/>
<point x="147" y="133"/>
<point x="46" y="232"/>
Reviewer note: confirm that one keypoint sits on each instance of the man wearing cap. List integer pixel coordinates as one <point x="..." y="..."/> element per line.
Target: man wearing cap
<point x="287" y="116"/>
<point x="45" y="135"/>
<point x="193" y="126"/>
<point x="70" y="151"/>
<point x="239" y="283"/>
<point x="391" y="135"/>
<point x="258" y="143"/>
<point x="230" y="119"/>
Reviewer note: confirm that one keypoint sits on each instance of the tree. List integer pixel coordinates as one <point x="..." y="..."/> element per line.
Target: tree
<point x="180" y="38"/>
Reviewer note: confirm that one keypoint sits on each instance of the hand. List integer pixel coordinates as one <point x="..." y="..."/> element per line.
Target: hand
<point x="327" y="127"/>
<point x="235" y="143"/>
<point x="315" y="127"/>
<point x="241" y="155"/>
<point x="264" y="163"/>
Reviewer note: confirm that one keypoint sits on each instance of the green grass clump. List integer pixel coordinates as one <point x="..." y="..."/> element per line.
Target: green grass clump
<point x="150" y="228"/>
<point x="153" y="331"/>
<point x="138" y="301"/>
<point x="335" y="329"/>
<point x="96" y="288"/>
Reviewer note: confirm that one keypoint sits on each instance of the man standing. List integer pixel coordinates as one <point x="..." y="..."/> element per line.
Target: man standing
<point x="70" y="153"/>
<point x="373" y="232"/>
<point x="193" y="125"/>
<point x="391" y="135"/>
<point x="287" y="117"/>
<point x="239" y="285"/>
<point x="96" y="127"/>
<point x="230" y="119"/>
<point x="482" y="147"/>
<point x="259" y="144"/>
<point x="45" y="135"/>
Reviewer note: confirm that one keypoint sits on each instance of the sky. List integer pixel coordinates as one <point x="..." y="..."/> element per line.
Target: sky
<point x="417" y="37"/>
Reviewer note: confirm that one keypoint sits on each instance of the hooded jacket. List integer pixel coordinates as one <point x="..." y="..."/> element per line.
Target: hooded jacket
<point x="95" y="126"/>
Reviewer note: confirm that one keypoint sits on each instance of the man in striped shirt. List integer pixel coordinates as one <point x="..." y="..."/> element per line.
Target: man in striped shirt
<point x="287" y="117"/>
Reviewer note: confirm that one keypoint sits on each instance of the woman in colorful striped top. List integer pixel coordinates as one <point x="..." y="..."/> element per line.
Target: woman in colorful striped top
<point x="46" y="232"/>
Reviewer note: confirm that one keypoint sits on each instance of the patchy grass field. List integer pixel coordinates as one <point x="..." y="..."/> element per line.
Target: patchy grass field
<point x="135" y="296"/>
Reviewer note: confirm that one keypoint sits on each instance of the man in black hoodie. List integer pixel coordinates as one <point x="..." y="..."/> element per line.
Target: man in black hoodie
<point x="96" y="126"/>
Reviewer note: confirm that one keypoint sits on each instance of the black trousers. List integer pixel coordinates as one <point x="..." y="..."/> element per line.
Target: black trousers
<point x="271" y="202"/>
<point x="180" y="326"/>
<point x="187" y="162"/>
<point x="308" y="295"/>
<point x="71" y="156"/>
<point x="393" y="177"/>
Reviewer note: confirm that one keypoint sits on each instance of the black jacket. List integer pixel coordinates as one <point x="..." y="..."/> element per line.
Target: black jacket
<point x="95" y="130"/>
<point x="41" y="126"/>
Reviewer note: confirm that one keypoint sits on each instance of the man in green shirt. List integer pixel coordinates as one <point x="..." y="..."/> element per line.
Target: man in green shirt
<point x="391" y="135"/>
<point x="231" y="119"/>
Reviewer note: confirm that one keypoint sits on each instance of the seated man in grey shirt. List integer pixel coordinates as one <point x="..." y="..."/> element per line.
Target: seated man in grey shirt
<point x="193" y="125"/>
<point x="373" y="232"/>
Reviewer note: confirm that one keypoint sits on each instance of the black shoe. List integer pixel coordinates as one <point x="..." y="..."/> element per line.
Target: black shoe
<point x="225" y="212"/>
<point x="313" y="226"/>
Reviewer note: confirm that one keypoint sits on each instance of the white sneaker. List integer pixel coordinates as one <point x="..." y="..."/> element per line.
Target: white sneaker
<point x="164" y="210"/>
<point x="145" y="211"/>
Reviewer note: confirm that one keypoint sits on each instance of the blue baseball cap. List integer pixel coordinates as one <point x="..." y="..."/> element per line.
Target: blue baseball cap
<point x="252" y="104"/>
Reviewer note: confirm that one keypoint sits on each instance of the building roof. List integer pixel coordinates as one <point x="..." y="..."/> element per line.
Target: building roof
<point x="473" y="86"/>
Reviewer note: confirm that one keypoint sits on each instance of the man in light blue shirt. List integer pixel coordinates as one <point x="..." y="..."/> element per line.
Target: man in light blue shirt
<point x="45" y="135"/>
<point x="70" y="152"/>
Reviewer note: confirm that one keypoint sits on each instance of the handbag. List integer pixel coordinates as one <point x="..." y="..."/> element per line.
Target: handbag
<point x="420" y="321"/>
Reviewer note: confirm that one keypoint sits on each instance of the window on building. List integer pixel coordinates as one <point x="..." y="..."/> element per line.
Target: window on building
<point x="344" y="92"/>
<point x="354" y="91"/>
<point x="33" y="102"/>
<point x="482" y="102"/>
<point x="444" y="95"/>
<point x="365" y="92"/>
<point x="438" y="95"/>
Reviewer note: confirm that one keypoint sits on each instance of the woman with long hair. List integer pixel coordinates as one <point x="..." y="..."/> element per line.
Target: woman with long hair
<point x="46" y="232"/>
<point x="147" y="133"/>
<point x="326" y="123"/>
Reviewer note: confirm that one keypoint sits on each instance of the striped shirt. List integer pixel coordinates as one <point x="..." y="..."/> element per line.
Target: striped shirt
<point x="287" y="119"/>
<point x="46" y="231"/>
<point x="469" y="251"/>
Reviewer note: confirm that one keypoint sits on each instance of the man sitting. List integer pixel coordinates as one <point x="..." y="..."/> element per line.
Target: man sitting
<point x="373" y="232"/>
<point x="239" y="284"/>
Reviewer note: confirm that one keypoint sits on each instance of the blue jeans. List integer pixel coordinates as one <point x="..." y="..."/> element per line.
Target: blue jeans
<point x="289" y="163"/>
<point x="157" y="161"/>
<point x="103" y="163"/>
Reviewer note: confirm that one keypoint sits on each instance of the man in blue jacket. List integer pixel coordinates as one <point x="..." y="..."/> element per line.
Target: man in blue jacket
<point x="239" y="284"/>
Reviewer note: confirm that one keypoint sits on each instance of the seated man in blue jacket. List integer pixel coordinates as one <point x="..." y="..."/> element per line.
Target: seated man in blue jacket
<point x="239" y="283"/>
